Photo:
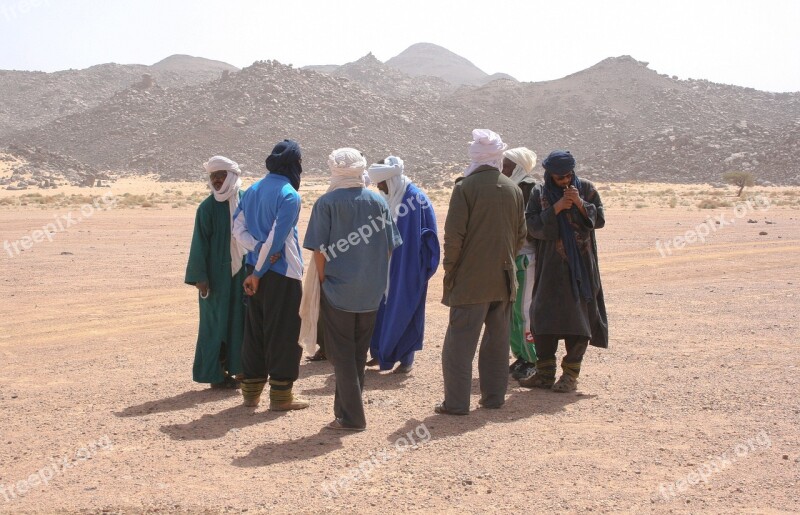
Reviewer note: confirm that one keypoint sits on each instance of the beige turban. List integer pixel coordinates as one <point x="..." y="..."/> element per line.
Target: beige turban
<point x="524" y="158"/>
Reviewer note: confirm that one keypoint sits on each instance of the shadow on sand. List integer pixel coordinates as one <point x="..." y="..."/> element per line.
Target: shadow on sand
<point x="178" y="402"/>
<point x="519" y="404"/>
<point x="217" y="425"/>
<point x="305" y="448"/>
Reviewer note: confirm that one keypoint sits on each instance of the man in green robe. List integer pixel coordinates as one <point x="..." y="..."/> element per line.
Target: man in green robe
<point x="216" y="268"/>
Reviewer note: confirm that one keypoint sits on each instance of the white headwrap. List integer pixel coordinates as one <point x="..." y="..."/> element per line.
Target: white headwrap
<point x="396" y="182"/>
<point x="486" y="149"/>
<point x="228" y="192"/>
<point x="348" y="168"/>
<point x="524" y="158"/>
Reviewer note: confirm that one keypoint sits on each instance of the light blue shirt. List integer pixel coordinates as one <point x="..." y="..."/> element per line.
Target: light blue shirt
<point x="271" y="209"/>
<point x="353" y="229"/>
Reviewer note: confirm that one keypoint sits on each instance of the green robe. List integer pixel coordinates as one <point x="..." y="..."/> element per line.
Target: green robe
<point x="222" y="313"/>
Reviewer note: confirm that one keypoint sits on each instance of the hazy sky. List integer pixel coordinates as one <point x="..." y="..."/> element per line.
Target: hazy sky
<point x="752" y="43"/>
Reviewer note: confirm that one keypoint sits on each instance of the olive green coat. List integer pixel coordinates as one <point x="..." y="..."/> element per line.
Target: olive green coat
<point x="484" y="229"/>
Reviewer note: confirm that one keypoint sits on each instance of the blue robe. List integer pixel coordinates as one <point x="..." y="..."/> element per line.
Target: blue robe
<point x="400" y="323"/>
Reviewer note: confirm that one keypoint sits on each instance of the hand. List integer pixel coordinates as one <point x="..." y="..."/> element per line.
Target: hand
<point x="573" y="194"/>
<point x="251" y="285"/>
<point x="564" y="203"/>
<point x="203" y="287"/>
<point x="273" y="258"/>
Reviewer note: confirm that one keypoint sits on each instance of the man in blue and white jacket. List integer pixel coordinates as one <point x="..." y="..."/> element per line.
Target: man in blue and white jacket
<point x="266" y="225"/>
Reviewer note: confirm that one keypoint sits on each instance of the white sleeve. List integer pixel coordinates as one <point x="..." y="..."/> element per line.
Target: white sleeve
<point x="240" y="233"/>
<point x="263" y="254"/>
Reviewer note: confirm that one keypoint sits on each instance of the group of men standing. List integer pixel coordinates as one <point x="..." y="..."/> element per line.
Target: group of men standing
<point x="527" y="277"/>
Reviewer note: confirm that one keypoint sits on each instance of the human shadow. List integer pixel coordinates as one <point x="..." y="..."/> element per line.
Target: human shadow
<point x="520" y="404"/>
<point x="178" y="402"/>
<point x="372" y="381"/>
<point x="217" y="425"/>
<point x="305" y="448"/>
<point x="315" y="368"/>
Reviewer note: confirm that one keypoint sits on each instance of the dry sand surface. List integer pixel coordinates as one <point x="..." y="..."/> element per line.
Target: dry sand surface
<point x="693" y="408"/>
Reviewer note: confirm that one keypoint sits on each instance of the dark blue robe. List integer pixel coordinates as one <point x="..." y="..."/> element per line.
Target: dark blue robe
<point x="400" y="324"/>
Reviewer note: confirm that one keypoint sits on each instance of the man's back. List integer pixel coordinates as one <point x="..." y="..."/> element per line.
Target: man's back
<point x="354" y="231"/>
<point x="484" y="229"/>
<point x="271" y="208"/>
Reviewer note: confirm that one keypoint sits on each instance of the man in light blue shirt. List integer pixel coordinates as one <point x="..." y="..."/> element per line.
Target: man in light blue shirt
<point x="266" y="225"/>
<point x="352" y="235"/>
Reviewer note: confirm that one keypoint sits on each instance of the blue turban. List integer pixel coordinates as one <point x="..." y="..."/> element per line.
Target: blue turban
<point x="285" y="160"/>
<point x="559" y="162"/>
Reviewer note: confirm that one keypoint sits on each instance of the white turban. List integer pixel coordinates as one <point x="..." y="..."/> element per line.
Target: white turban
<point x="486" y="149"/>
<point x="228" y="192"/>
<point x="396" y="182"/>
<point x="347" y="168"/>
<point x="524" y="158"/>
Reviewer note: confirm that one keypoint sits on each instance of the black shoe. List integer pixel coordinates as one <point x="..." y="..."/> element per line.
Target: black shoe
<point x="524" y="371"/>
<point x="318" y="356"/>
<point x="441" y="409"/>
<point x="515" y="366"/>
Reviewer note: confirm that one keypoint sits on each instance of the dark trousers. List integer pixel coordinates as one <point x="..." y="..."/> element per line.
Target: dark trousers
<point x="347" y="337"/>
<point x="272" y="330"/>
<point x="460" y="344"/>
<point x="547" y="344"/>
<point x="321" y="335"/>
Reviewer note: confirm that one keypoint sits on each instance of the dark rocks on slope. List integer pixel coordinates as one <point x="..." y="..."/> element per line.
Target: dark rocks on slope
<point x="622" y="120"/>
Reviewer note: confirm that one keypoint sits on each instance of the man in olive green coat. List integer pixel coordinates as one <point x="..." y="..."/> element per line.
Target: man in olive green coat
<point x="484" y="229"/>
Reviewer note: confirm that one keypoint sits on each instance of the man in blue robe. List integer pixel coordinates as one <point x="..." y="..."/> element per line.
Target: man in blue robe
<point x="400" y="324"/>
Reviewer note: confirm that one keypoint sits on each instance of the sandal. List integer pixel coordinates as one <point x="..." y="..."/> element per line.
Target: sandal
<point x="318" y="356"/>
<point x="537" y="381"/>
<point x="337" y="425"/>
<point x="566" y="383"/>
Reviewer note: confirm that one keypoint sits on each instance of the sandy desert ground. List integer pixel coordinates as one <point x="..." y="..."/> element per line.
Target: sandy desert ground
<point x="693" y="408"/>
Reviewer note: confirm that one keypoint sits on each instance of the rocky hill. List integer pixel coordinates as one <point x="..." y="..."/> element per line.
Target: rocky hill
<point x="31" y="99"/>
<point x="427" y="59"/>
<point x="382" y="79"/>
<point x="171" y="131"/>
<point x="622" y="120"/>
<point x="626" y="121"/>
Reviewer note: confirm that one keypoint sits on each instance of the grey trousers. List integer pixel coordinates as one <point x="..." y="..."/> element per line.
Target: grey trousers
<point x="347" y="337"/>
<point x="458" y="351"/>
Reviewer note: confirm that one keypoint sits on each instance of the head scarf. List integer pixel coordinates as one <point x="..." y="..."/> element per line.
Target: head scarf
<point x="347" y="167"/>
<point x="524" y="158"/>
<point x="228" y="192"/>
<point x="486" y="149"/>
<point x="561" y="162"/>
<point x="396" y="182"/>
<point x="285" y="160"/>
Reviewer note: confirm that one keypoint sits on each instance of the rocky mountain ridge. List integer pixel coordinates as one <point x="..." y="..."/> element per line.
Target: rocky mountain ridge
<point x="622" y="120"/>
